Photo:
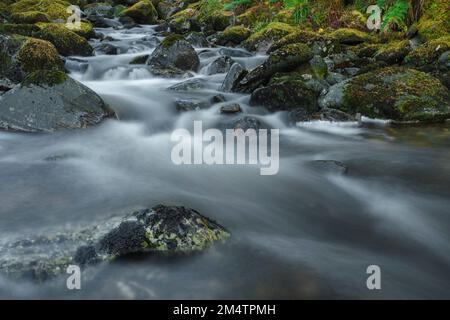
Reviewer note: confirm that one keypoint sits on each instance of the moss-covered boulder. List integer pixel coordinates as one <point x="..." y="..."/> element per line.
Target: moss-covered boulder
<point x="256" y="14"/>
<point x="435" y="22"/>
<point x="162" y="230"/>
<point x="66" y="41"/>
<point x="263" y="39"/>
<point x="320" y="44"/>
<point x="232" y="36"/>
<point x="185" y="21"/>
<point x="30" y="17"/>
<point x="284" y="59"/>
<point x="285" y="93"/>
<point x="395" y="93"/>
<point x="53" y="9"/>
<point x="27" y="30"/>
<point x="393" y="52"/>
<point x="142" y="12"/>
<point x="428" y="53"/>
<point x="173" y="57"/>
<point x="216" y="21"/>
<point x="350" y="36"/>
<point x="5" y="9"/>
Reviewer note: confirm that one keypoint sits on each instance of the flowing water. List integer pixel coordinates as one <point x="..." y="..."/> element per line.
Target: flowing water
<point x="307" y="232"/>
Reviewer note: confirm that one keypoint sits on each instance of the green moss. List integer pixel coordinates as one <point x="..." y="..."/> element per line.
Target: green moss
<point x="271" y="33"/>
<point x="142" y="12"/>
<point x="353" y="19"/>
<point x="27" y="30"/>
<point x="435" y="22"/>
<point x="54" y="9"/>
<point x="45" y="78"/>
<point x="255" y="15"/>
<point x="85" y="30"/>
<point x="66" y="42"/>
<point x="30" y="17"/>
<point x="393" y="52"/>
<point x="398" y="94"/>
<point x="429" y="52"/>
<point x="38" y="54"/>
<point x="170" y="40"/>
<point x="234" y="35"/>
<point x="350" y="36"/>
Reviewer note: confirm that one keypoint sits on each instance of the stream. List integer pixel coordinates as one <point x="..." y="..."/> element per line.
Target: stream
<point x="308" y="232"/>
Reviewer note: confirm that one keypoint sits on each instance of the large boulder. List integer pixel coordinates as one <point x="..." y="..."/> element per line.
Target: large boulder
<point x="231" y="36"/>
<point x="234" y="75"/>
<point x="395" y="93"/>
<point x="66" y="41"/>
<point x="142" y="12"/>
<point x="162" y="229"/>
<point x="49" y="100"/>
<point x="265" y="38"/>
<point x="174" y="56"/>
<point x="285" y="93"/>
<point x="285" y="59"/>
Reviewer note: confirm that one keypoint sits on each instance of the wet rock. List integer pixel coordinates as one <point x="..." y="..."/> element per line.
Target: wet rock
<point x="218" y="98"/>
<point x="230" y="108"/>
<point x="231" y="36"/>
<point x="395" y="93"/>
<point x="49" y="100"/>
<point x="332" y="115"/>
<point x="235" y="52"/>
<point x="183" y="105"/>
<point x="101" y="22"/>
<point x="197" y="39"/>
<point x="98" y="9"/>
<point x="5" y="85"/>
<point x="329" y="166"/>
<point x="67" y="43"/>
<point x="174" y="56"/>
<point x="444" y="61"/>
<point x="285" y="93"/>
<point x="244" y="123"/>
<point x="162" y="229"/>
<point x="107" y="48"/>
<point x="128" y="22"/>
<point x="318" y="67"/>
<point x="236" y="73"/>
<point x="220" y="65"/>
<point x="265" y="38"/>
<point x="140" y="59"/>
<point x="142" y="12"/>
<point x="285" y="59"/>
<point x="189" y="85"/>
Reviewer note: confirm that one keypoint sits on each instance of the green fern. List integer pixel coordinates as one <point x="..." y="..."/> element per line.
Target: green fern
<point x="396" y="14"/>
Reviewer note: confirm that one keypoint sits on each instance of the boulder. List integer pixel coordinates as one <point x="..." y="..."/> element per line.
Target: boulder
<point x="264" y="39"/>
<point x="232" y="36"/>
<point x="173" y="56"/>
<point x="66" y="41"/>
<point x="395" y="93"/>
<point x="163" y="229"/>
<point x="142" y="12"/>
<point x="220" y="65"/>
<point x="234" y="75"/>
<point x="47" y="101"/>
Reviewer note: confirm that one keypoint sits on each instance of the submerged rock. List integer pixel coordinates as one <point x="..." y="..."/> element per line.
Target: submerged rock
<point x="162" y="229"/>
<point x="174" y="56"/>
<point x="236" y="73"/>
<point x="220" y="65"/>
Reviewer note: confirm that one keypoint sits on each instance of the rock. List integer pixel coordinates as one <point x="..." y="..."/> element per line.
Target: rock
<point x="190" y="105"/>
<point x="20" y="56"/>
<point x="349" y="36"/>
<point x="444" y="61"/>
<point x="98" y="9"/>
<point x="428" y="54"/>
<point x="184" y="21"/>
<point x="232" y="36"/>
<point x="66" y="42"/>
<point x="216" y="21"/>
<point x="220" y="65"/>
<point x="29" y="17"/>
<point x="140" y="59"/>
<point x="142" y="12"/>
<point x="244" y="124"/>
<point x="285" y="59"/>
<point x="393" y="52"/>
<point x="395" y="93"/>
<point x="318" y="67"/>
<point x="107" y="48"/>
<point x="218" y="98"/>
<point x="197" y="39"/>
<point x="160" y="230"/>
<point x="27" y="30"/>
<point x="334" y="78"/>
<point x="285" y="93"/>
<point x="48" y="101"/>
<point x="230" y="108"/>
<point x="189" y="85"/>
<point x="321" y="44"/>
<point x="174" y="56"/>
<point x="329" y="166"/>
<point x="101" y="22"/>
<point x="128" y="22"/>
<point x="264" y="39"/>
<point x="332" y="115"/>
<point x="236" y="73"/>
<point x="5" y="85"/>
<point x="54" y="10"/>
<point x="235" y="53"/>
<point x="164" y="9"/>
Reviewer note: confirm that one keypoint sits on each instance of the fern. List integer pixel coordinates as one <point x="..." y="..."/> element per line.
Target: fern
<point x="236" y="3"/>
<point x="396" y="14"/>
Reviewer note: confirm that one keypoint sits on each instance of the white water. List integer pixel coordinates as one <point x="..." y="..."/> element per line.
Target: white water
<point x="304" y="233"/>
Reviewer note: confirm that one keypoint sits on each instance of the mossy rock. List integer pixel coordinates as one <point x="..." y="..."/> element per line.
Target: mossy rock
<point x="366" y="50"/>
<point x="37" y="54"/>
<point x="142" y="12"/>
<point x="217" y="21"/>
<point x="86" y="30"/>
<point x="255" y="15"/>
<point x="185" y="21"/>
<point x="262" y="40"/>
<point x="428" y="53"/>
<point x="393" y="52"/>
<point x="396" y="93"/>
<point x="30" y="17"/>
<point x="27" y="30"/>
<point x="5" y="9"/>
<point x="44" y="78"/>
<point x="353" y="19"/>
<point x="233" y="35"/>
<point x="66" y="42"/>
<point x="350" y="36"/>
<point x="54" y="9"/>
<point x="435" y="22"/>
